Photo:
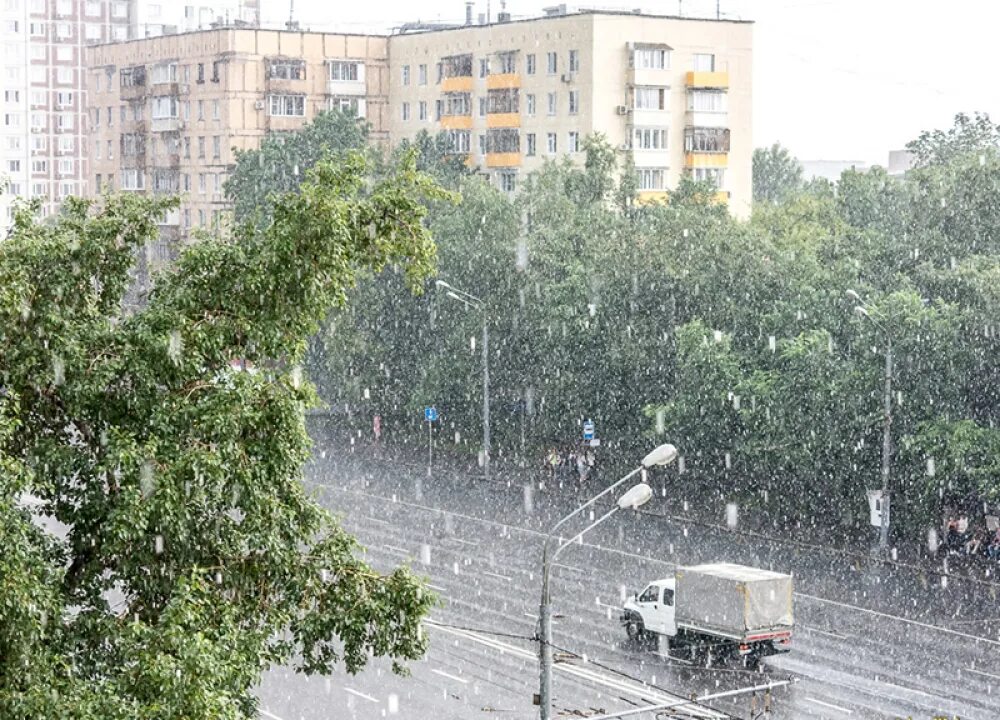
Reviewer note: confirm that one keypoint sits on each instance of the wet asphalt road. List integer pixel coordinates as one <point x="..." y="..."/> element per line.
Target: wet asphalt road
<point x="870" y="642"/>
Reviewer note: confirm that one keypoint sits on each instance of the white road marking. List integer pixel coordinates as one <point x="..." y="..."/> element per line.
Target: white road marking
<point x="496" y="575"/>
<point x="269" y="714"/>
<point x="369" y="698"/>
<point x="436" y="587"/>
<point x="464" y="542"/>
<point x="380" y="521"/>
<point x="823" y="632"/>
<point x="569" y="567"/>
<point x="980" y="672"/>
<point x="396" y="549"/>
<point x="612" y="607"/>
<point x="832" y="707"/>
<point x="442" y="673"/>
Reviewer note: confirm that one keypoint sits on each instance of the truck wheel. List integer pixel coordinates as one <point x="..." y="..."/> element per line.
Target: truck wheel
<point x="635" y="630"/>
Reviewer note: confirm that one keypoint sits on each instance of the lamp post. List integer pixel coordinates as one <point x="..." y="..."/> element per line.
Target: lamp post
<point x="637" y="496"/>
<point x="862" y="309"/>
<point x="471" y="301"/>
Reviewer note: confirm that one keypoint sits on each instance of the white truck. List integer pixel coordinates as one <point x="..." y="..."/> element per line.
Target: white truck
<point x="715" y="612"/>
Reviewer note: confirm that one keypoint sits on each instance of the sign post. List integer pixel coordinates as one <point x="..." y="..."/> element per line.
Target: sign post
<point x="430" y="415"/>
<point x="588" y="430"/>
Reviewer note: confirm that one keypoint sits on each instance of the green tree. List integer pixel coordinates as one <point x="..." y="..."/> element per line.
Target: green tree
<point x="776" y="174"/>
<point x="968" y="136"/>
<point x="192" y="557"/>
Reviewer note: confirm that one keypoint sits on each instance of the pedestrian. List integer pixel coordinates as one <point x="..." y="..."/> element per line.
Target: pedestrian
<point x="581" y="467"/>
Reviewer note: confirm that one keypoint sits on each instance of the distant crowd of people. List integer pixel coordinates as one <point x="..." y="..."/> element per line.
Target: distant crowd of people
<point x="982" y="540"/>
<point x="573" y="462"/>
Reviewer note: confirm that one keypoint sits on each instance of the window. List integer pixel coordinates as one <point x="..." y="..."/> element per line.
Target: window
<point x="652" y="178"/>
<point x="458" y="104"/>
<point x="503" y="140"/>
<point x="215" y="110"/>
<point x="668" y="596"/>
<point x="64" y="7"/>
<point x="111" y="116"/>
<point x="65" y="75"/>
<point x="164" y="73"/>
<point x="65" y="121"/>
<point x="119" y="33"/>
<point x="12" y="120"/>
<point x="650" y="98"/>
<point x="39" y="189"/>
<point x="133" y="179"/>
<point x="165" y="106"/>
<point x="649" y="139"/>
<point x="66" y="166"/>
<point x="97" y="182"/>
<point x="111" y="151"/>
<point x="574" y="61"/>
<point x="482" y="144"/>
<point x="38" y="121"/>
<point x="404" y="110"/>
<point x="64" y="31"/>
<point x="706" y="101"/>
<point x="39" y="166"/>
<point x="201" y="183"/>
<point x="186" y="73"/>
<point x="201" y="147"/>
<point x="551" y="146"/>
<point x="529" y="148"/>
<point x="287" y="105"/>
<point x="187" y="217"/>
<point x="133" y="76"/>
<point x="119" y="10"/>
<point x="187" y="148"/>
<point x="201" y="109"/>
<point x="122" y="113"/>
<point x="186" y="110"/>
<point x="503" y="101"/>
<point x="37" y="29"/>
<point x="529" y="104"/>
<point x="484" y="67"/>
<point x="422" y="74"/>
<point x="217" y="147"/>
<point x="650" y="58"/>
<point x="438" y="108"/>
<point x="704" y="62"/>
<point x="345" y="71"/>
<point x="201" y="73"/>
<point x="286" y="69"/>
<point x="650" y="594"/>
<point x="552" y="60"/>
<point x="64" y="53"/>
<point x="201" y="217"/>
<point x="573" y="142"/>
<point x="92" y="32"/>
<point x="65" y="100"/>
<point x="216" y="66"/>
<point x="482" y="107"/>
<point x="529" y="64"/>
<point x="132" y="144"/>
<point x="216" y="182"/>
<point x="440" y="72"/>
<point x="97" y="117"/>
<point x="574" y="102"/>
<point x="13" y="166"/>
<point x="422" y="110"/>
<point x="715" y="176"/>
<point x="706" y="140"/>
<point x="507" y="62"/>
<point x="552" y="103"/>
<point x="97" y="149"/>
<point x="406" y="75"/>
<point x="138" y="111"/>
<point x="347" y="104"/>
<point x="508" y="181"/>
<point x="459" y="141"/>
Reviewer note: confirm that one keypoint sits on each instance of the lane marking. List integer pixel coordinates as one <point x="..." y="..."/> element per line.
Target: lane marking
<point x="380" y="521"/>
<point x="832" y="707"/>
<point x="369" y="698"/>
<point x="269" y="714"/>
<point x="569" y="567"/>
<point x="396" y="549"/>
<point x="611" y="607"/>
<point x="496" y="575"/>
<point x="980" y="672"/>
<point x="811" y="629"/>
<point x="442" y="673"/>
<point x="464" y="542"/>
<point x="436" y="587"/>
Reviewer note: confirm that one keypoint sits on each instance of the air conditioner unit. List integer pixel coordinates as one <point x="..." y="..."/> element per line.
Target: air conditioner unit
<point x="258" y="105"/>
<point x="621" y="110"/>
<point x="568" y="77"/>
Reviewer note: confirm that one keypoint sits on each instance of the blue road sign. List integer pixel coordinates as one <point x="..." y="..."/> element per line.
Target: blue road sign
<point x="430" y="414"/>
<point x="588" y="430"/>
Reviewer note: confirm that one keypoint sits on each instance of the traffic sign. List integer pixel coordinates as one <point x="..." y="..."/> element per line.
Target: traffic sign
<point x="430" y="414"/>
<point x="588" y="430"/>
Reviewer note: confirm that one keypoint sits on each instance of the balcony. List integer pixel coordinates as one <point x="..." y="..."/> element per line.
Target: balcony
<point x="170" y="218"/>
<point x="706" y="118"/>
<point x="651" y="197"/>
<point x="456" y="122"/>
<point x="660" y="77"/>
<point x="647" y="158"/>
<point x="133" y="92"/>
<point x="702" y="79"/>
<point x="459" y="83"/>
<point x="334" y="87"/>
<point x="503" y="81"/>
<point x="167" y="88"/>
<point x="503" y="159"/>
<point x="706" y="160"/>
<point x="503" y="120"/>
<point x="167" y="124"/>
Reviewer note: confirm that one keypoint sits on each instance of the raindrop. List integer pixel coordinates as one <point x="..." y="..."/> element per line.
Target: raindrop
<point x="472" y="343"/>
<point x="931" y="469"/>
<point x="729" y="461"/>
<point x="661" y="423"/>
<point x="680" y="470"/>
<point x="458" y="437"/>
<point x="717" y="335"/>
<point x="147" y="484"/>
<point x="58" y="370"/>
<point x="175" y="346"/>
<point x="158" y="545"/>
<point x="521" y="259"/>
<point x="529" y="498"/>
<point x="425" y="554"/>
<point x="368" y="394"/>
<point x="393" y="702"/>
<point x="932" y="540"/>
<point x="732" y="515"/>
<point x="772" y="343"/>
<point x="297" y="377"/>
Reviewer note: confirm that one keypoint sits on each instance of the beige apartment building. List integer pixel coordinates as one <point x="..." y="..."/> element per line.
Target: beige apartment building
<point x="168" y="113"/>
<point x="672" y="92"/>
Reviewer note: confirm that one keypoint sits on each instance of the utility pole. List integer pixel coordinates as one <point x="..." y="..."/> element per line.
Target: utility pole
<point x="486" y="395"/>
<point x="883" y="538"/>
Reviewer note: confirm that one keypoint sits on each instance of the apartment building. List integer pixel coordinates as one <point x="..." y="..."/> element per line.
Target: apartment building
<point x="42" y="137"/>
<point x="672" y="92"/>
<point x="153" y="18"/>
<point x="168" y="113"/>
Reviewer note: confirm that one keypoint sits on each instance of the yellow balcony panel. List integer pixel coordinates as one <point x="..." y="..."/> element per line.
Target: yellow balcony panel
<point x="646" y="197"/>
<point x="503" y="160"/>
<point x="503" y="120"/>
<point x="722" y="196"/>
<point x="462" y="83"/>
<point x="708" y="79"/>
<point x="706" y="160"/>
<point x="456" y="122"/>
<point x="506" y="80"/>
<point x="470" y="162"/>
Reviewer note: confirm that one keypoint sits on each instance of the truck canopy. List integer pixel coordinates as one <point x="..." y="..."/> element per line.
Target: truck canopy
<point x="733" y="598"/>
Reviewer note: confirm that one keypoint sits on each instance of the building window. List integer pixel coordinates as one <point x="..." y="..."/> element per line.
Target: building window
<point x="459" y="141"/>
<point x="215" y="71"/>
<point x="215" y="110"/>
<point x="650" y="98"/>
<point x="201" y="109"/>
<point x="65" y="121"/>
<point x="482" y="144"/>
<point x="706" y="101"/>
<point x="484" y="67"/>
<point x="552" y="103"/>
<point x="574" y="102"/>
<point x="715" y="176"/>
<point x="574" y="61"/>
<point x="345" y="71"/>
<point x="704" y="62"/>
<point x="529" y="104"/>
<point x="405" y="79"/>
<point x="405" y="111"/>
<point x="552" y="63"/>
<point x="111" y="116"/>
<point x="552" y="145"/>
<point x="286" y="69"/>
<point x="706" y="140"/>
<point x="97" y="149"/>
<point x="507" y="62"/>
<point x="422" y="110"/>
<point x="133" y="76"/>
<point x="503" y="140"/>
<point x="482" y="107"/>
<point x="458" y="104"/>
<point x="187" y="148"/>
<point x="201" y="73"/>
<point x="201" y="183"/>
<point x="529" y="64"/>
<point x="573" y="142"/>
<point x="529" y="147"/>
<point x="652" y="178"/>
<point x="508" y="181"/>
<point x="133" y="144"/>
<point x="92" y="32"/>
<point x="649" y="139"/>
<point x="422" y="74"/>
<point x="287" y="105"/>
<point x="503" y="101"/>
<point x="216" y="147"/>
<point x="65" y="75"/>
<point x="164" y="73"/>
<point x="111" y="151"/>
<point x="97" y="182"/>
<point x="650" y="58"/>
<point x="347" y="104"/>
<point x="67" y="143"/>
<point x="133" y="179"/>
<point x="165" y="106"/>
<point x="40" y="166"/>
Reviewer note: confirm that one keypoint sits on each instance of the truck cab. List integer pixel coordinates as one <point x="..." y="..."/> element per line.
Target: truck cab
<point x="651" y="611"/>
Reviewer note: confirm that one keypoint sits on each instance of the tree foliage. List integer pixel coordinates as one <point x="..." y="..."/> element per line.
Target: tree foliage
<point x="160" y="550"/>
<point x="776" y="174"/>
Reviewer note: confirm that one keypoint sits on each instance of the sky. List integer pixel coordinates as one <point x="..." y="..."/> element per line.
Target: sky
<point x="833" y="79"/>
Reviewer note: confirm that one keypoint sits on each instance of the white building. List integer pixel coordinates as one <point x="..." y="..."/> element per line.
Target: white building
<point x="153" y="18"/>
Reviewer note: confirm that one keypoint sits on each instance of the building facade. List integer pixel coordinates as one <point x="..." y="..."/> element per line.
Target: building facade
<point x="673" y="93"/>
<point x="153" y="18"/>
<point x="42" y="135"/>
<point x="168" y="113"/>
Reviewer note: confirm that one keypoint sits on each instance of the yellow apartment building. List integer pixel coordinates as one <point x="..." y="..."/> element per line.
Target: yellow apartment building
<point x="672" y="92"/>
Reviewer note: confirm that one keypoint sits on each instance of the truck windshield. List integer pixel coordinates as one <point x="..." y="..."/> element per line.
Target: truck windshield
<point x="649" y="594"/>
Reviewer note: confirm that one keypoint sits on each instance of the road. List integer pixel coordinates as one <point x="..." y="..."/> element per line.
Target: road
<point x="870" y="642"/>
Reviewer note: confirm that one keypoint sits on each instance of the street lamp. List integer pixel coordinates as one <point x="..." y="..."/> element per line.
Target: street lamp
<point x="636" y="496"/>
<point x="471" y="301"/>
<point x="864" y="310"/>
